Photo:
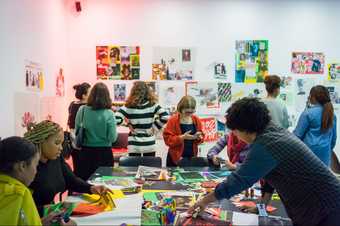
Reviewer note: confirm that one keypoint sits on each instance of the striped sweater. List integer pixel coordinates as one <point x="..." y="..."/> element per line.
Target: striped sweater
<point x="141" y="121"/>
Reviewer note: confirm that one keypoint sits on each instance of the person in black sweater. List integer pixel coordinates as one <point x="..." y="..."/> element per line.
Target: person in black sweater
<point x="53" y="174"/>
<point x="82" y="93"/>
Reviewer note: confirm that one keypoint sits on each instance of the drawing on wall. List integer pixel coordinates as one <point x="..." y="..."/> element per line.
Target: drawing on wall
<point x="119" y="92"/>
<point x="172" y="63"/>
<point x="333" y="93"/>
<point x="220" y="71"/>
<point x="287" y="97"/>
<point x="34" y="76"/>
<point x="27" y="109"/>
<point x="334" y="72"/>
<point x="251" y="61"/>
<point x="302" y="89"/>
<point x="118" y="62"/>
<point x="307" y="63"/>
<point x="205" y="94"/>
<point x="153" y="86"/>
<point x="224" y="92"/>
<point x="60" y="84"/>
<point x="286" y="81"/>
<point x="240" y="90"/>
<point x="170" y="94"/>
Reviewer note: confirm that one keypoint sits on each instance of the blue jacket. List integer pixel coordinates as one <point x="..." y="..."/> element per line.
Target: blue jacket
<point x="308" y="130"/>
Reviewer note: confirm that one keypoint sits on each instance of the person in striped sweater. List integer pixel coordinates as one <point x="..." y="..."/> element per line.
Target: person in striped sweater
<point x="142" y="114"/>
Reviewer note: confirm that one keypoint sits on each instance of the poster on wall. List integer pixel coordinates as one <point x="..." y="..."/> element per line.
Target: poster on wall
<point x="334" y="93"/>
<point x="118" y="62"/>
<point x="220" y="71"/>
<point x="334" y="72"/>
<point x="60" y="84"/>
<point x="170" y="94"/>
<point x="34" y="76"/>
<point x="251" y="61"/>
<point x="302" y="88"/>
<point x="26" y="108"/>
<point x="209" y="126"/>
<point x="308" y="63"/>
<point x="173" y="63"/>
<point x="286" y="82"/>
<point x="119" y="92"/>
<point x="240" y="90"/>
<point x="206" y="96"/>
<point x="224" y="92"/>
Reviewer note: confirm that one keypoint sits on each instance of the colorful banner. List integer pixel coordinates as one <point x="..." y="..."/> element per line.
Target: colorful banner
<point x="209" y="129"/>
<point x="308" y="63"/>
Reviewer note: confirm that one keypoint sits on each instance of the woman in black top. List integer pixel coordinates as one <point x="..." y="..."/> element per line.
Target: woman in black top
<point x="53" y="174"/>
<point x="82" y="93"/>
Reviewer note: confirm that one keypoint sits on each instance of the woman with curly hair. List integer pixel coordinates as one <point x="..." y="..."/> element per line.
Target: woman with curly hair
<point x="141" y="112"/>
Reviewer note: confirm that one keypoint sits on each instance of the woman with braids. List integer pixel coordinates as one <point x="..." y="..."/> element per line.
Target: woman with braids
<point x="100" y="126"/>
<point x="53" y="174"/>
<point x="317" y="124"/>
<point x="142" y="112"/>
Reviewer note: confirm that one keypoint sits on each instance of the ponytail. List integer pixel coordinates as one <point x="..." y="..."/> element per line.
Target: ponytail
<point x="327" y="117"/>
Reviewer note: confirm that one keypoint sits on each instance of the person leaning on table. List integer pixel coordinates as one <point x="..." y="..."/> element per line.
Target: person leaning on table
<point x="307" y="188"/>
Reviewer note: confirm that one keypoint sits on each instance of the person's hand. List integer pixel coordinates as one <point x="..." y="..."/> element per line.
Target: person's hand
<point x="47" y="221"/>
<point x="68" y="223"/>
<point x="200" y="205"/>
<point x="215" y="160"/>
<point x="249" y="209"/>
<point x="229" y="165"/>
<point x="188" y="136"/>
<point x="99" y="190"/>
<point x="199" y="135"/>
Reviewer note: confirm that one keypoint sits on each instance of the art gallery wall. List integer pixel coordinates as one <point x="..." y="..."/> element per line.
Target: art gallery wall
<point x="211" y="27"/>
<point x="32" y="30"/>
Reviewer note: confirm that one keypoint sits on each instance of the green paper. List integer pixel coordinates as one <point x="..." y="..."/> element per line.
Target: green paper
<point x="150" y="196"/>
<point x="150" y="217"/>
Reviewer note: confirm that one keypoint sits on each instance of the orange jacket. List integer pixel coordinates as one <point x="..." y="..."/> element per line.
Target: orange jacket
<point x="172" y="137"/>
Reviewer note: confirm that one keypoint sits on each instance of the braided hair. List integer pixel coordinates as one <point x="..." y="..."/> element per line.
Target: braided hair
<point x="38" y="133"/>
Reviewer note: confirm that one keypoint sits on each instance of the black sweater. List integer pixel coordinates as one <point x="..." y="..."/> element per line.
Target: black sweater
<point x="53" y="177"/>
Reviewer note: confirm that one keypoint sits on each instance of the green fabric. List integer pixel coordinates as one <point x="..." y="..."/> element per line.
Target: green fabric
<point x="150" y="196"/>
<point x="100" y="126"/>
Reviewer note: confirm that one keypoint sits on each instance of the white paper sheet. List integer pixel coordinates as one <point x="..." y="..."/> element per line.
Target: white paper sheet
<point x="245" y="219"/>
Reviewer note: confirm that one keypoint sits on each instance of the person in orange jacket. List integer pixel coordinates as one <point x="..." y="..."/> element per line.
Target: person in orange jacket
<point x="183" y="132"/>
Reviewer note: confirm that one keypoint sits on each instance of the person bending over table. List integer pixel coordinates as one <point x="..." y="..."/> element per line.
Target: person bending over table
<point x="307" y="188"/>
<point x="183" y="132"/>
<point x="53" y="173"/>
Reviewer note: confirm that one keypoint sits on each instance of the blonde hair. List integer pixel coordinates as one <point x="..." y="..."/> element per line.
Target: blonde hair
<point x="40" y="132"/>
<point x="185" y="103"/>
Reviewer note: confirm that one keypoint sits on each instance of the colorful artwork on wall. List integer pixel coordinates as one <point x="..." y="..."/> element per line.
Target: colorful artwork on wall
<point x="210" y="129"/>
<point x="34" y="76"/>
<point x="205" y="93"/>
<point x="240" y="90"/>
<point x="224" y="92"/>
<point x="173" y="63"/>
<point x="308" y="63"/>
<point x="170" y="94"/>
<point x="251" y="61"/>
<point x="118" y="62"/>
<point x="334" y="72"/>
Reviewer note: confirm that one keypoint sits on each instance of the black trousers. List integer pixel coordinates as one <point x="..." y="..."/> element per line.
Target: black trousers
<point x="332" y="219"/>
<point x="91" y="158"/>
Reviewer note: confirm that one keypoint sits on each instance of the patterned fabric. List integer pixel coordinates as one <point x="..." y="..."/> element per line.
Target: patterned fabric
<point x="141" y="121"/>
<point x="306" y="186"/>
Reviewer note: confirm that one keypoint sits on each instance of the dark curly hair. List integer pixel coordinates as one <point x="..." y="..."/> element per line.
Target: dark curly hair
<point x="248" y="115"/>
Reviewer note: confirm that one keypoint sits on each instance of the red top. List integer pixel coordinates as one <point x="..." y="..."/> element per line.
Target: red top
<point x="172" y="137"/>
<point x="234" y="147"/>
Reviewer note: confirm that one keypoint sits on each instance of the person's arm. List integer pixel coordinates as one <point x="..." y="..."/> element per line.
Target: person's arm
<point x="218" y="147"/>
<point x="72" y="181"/>
<point x="302" y="126"/>
<point x="162" y="117"/>
<point x="258" y="163"/>
<point x="121" y="115"/>
<point x="334" y="135"/>
<point x="285" y="122"/>
<point x="112" y="128"/>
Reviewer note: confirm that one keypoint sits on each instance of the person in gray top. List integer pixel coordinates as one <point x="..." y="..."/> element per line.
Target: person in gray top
<point x="278" y="111"/>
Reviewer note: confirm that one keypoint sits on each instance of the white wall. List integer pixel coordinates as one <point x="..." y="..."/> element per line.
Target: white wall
<point x="34" y="30"/>
<point x="212" y="26"/>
